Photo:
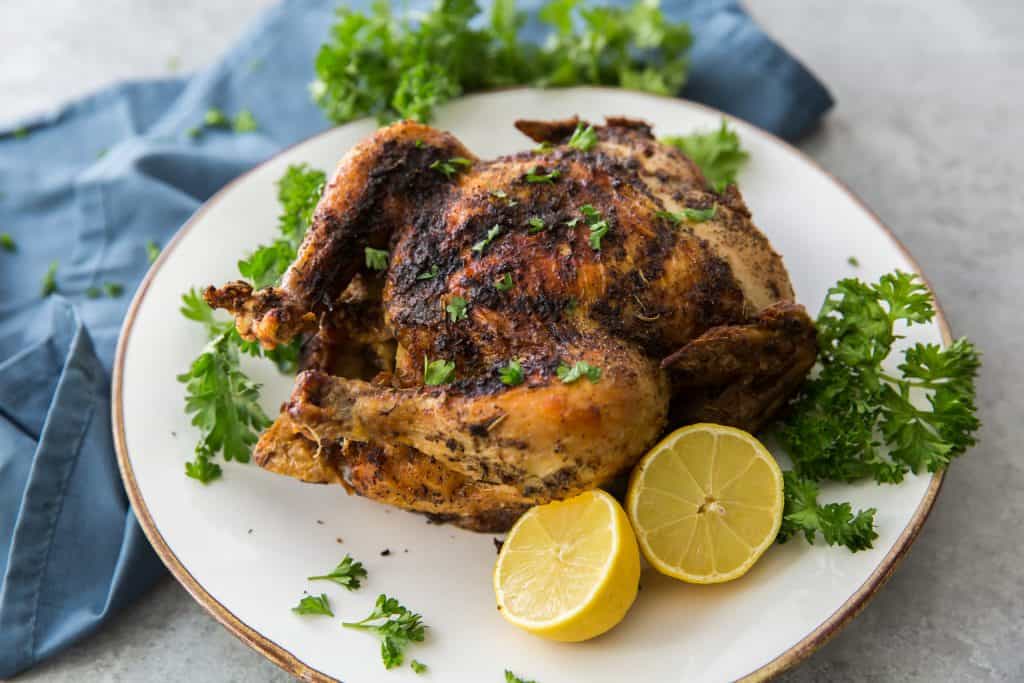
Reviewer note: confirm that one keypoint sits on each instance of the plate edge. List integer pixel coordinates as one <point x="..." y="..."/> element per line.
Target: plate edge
<point x="289" y="662"/>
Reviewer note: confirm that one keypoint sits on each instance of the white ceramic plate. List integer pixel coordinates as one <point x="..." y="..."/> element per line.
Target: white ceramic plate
<point x="244" y="545"/>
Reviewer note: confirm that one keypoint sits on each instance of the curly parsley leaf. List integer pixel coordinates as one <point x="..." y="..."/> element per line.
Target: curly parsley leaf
<point x="395" y="625"/>
<point x="388" y="66"/>
<point x="348" y="574"/>
<point x="836" y="522"/>
<point x="858" y="420"/>
<point x="718" y="153"/>
<point x="314" y="604"/>
<point x="581" y="368"/>
<point x="298" y="192"/>
<point x="437" y="372"/>
<point x="223" y="402"/>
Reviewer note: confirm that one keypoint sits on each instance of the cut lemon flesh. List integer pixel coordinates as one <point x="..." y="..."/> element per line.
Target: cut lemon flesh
<point x="568" y="570"/>
<point x="706" y="503"/>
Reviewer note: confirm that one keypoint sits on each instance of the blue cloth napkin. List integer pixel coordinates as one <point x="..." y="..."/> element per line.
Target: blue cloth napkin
<point x="89" y="185"/>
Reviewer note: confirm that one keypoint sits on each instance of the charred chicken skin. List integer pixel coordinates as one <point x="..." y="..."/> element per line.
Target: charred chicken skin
<point x="558" y="256"/>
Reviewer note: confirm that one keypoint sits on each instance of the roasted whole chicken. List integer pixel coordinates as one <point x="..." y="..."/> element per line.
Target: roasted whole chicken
<point x="547" y="258"/>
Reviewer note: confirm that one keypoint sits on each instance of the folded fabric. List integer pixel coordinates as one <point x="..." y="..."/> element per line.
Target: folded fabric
<point x="82" y="190"/>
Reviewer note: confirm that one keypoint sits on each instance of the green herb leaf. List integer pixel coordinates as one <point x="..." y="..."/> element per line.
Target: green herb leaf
<point x="456" y="309"/>
<point x="395" y="625"/>
<point x="598" y="226"/>
<point x="718" y="154"/>
<point x="314" y="604"/>
<point x="501" y="194"/>
<point x="512" y="374"/>
<point x="583" y="138"/>
<point x="152" y="251"/>
<point x="216" y="118"/>
<point x="512" y="678"/>
<point x="835" y="521"/>
<point x="451" y="167"/>
<point x="429" y="274"/>
<point x="504" y="283"/>
<point x="245" y="122"/>
<point x="536" y="177"/>
<point x="202" y="470"/>
<point x="536" y="225"/>
<point x="579" y="369"/>
<point x="93" y="293"/>
<point x="437" y="372"/>
<point x="348" y="574"/>
<point x="376" y="259"/>
<point x="223" y="402"/>
<point x="543" y="147"/>
<point x="926" y="416"/>
<point x="853" y="261"/>
<point x="7" y="243"/>
<point x="480" y="246"/>
<point x="418" y="667"/>
<point x="50" y="280"/>
<point x="113" y="289"/>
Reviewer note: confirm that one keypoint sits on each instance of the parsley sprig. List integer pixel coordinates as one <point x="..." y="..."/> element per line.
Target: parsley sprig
<point x="718" y="153"/>
<point x="581" y="368"/>
<point x="583" y="138"/>
<point x="379" y="64"/>
<point x="395" y="625"/>
<point x="925" y="415"/>
<point x="598" y="226"/>
<point x="348" y="574"/>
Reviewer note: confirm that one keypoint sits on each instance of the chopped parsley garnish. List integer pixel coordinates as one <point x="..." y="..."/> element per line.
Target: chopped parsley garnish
<point x="93" y="293"/>
<point x="583" y="138"/>
<point x="50" y="280"/>
<point x="504" y="283"/>
<point x="376" y="259"/>
<point x="598" y="226"/>
<point x="216" y="118"/>
<point x="152" y="251"/>
<point x="925" y="415"/>
<point x="718" y="154"/>
<point x="853" y="261"/>
<point x="536" y="225"/>
<point x="512" y="678"/>
<point x="693" y="215"/>
<point x="536" y="177"/>
<point x="298" y="192"/>
<point x="418" y="667"/>
<point x="580" y="368"/>
<point x="480" y="246"/>
<point x="395" y="625"/>
<point x="512" y="374"/>
<point x="437" y="372"/>
<point x="543" y="147"/>
<point x="113" y="289"/>
<point x="245" y="122"/>
<point x="194" y="132"/>
<point x="314" y="604"/>
<point x="429" y="274"/>
<point x="456" y="309"/>
<point x="7" y="243"/>
<point x="501" y="194"/>
<point x="418" y="143"/>
<point x="451" y="167"/>
<point x="348" y="574"/>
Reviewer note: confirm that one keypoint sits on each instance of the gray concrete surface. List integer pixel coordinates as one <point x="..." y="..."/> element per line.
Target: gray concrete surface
<point x="927" y="131"/>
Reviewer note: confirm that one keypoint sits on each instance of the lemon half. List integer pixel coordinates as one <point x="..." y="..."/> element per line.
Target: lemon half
<point x="569" y="570"/>
<point x="706" y="503"/>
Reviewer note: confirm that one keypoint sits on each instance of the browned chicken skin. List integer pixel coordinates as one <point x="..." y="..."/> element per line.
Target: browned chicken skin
<point x="693" y="319"/>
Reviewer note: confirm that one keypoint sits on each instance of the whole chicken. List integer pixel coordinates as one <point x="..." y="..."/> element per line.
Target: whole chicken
<point x="540" y="319"/>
